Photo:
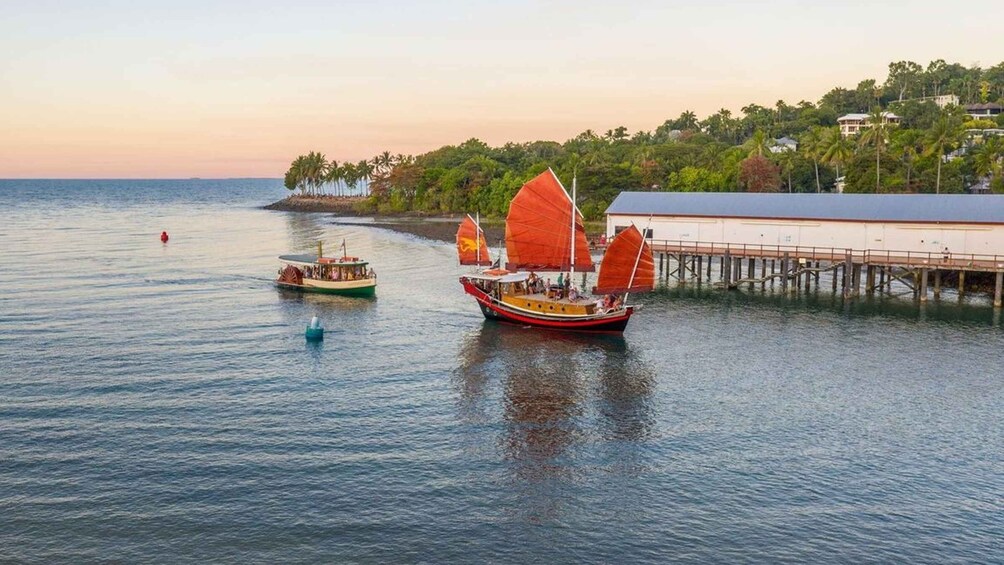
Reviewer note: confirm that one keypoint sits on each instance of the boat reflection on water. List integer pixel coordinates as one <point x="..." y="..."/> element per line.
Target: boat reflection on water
<point x="561" y="405"/>
<point x="326" y="301"/>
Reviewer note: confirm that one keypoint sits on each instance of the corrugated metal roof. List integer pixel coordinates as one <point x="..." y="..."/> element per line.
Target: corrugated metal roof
<point x="922" y="208"/>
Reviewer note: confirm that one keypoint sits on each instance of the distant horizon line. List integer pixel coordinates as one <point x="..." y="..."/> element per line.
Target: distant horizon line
<point x="138" y="178"/>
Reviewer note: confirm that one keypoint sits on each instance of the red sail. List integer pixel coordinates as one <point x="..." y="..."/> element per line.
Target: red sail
<point x="471" y="245"/>
<point x="539" y="225"/>
<point x="619" y="264"/>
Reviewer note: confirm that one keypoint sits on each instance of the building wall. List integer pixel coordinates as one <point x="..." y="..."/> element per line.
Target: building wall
<point x="859" y="236"/>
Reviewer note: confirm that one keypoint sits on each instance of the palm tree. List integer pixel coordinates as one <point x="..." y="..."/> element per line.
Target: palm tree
<point x="687" y="120"/>
<point x="812" y="147"/>
<point x="838" y="150"/>
<point x="786" y="159"/>
<point x="759" y="144"/>
<point x="334" y="175"/>
<point x="943" y="136"/>
<point x="908" y="144"/>
<point x="363" y="172"/>
<point x="383" y="162"/>
<point x="989" y="158"/>
<point x="877" y="136"/>
<point x="350" y="175"/>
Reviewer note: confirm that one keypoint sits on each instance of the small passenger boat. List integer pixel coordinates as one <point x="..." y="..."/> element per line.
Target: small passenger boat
<point x="345" y="275"/>
<point x="544" y="232"/>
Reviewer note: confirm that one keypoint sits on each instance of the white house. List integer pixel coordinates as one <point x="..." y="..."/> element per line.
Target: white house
<point x="851" y="124"/>
<point x="784" y="144"/>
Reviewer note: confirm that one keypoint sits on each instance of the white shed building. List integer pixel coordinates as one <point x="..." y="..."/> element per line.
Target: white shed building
<point x="926" y="223"/>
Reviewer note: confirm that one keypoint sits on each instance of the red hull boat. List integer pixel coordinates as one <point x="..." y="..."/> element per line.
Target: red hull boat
<point x="544" y="232"/>
<point x="494" y="309"/>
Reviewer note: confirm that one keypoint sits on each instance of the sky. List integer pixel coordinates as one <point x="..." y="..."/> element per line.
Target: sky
<point x="111" y="89"/>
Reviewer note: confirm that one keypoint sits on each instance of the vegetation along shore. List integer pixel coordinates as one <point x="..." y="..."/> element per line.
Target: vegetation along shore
<point x="933" y="129"/>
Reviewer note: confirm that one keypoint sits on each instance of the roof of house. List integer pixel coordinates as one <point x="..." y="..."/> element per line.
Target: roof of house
<point x="919" y="208"/>
<point x="887" y="115"/>
<point x="989" y="106"/>
<point x="785" y="141"/>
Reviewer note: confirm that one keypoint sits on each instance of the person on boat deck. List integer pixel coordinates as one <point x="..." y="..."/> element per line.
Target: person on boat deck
<point x="568" y="283"/>
<point x="372" y="273"/>
<point x="573" y="294"/>
<point x="561" y="279"/>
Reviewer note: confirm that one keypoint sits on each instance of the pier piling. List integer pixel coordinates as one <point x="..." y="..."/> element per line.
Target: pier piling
<point x="998" y="285"/>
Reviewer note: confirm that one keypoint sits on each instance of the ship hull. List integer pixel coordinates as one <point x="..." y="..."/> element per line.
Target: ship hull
<point x="366" y="289"/>
<point x="501" y="312"/>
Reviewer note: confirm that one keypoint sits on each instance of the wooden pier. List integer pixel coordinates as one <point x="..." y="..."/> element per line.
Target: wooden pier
<point x="792" y="268"/>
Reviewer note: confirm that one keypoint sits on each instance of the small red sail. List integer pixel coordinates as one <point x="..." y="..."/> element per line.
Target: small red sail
<point x="471" y="245"/>
<point x="539" y="225"/>
<point x="627" y="255"/>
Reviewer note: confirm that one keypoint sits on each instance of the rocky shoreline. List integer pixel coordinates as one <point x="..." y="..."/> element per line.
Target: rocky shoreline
<point x="341" y="205"/>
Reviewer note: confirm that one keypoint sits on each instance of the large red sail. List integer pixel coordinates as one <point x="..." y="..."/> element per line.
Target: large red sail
<point x="627" y="265"/>
<point x="539" y="225"/>
<point x="471" y="245"/>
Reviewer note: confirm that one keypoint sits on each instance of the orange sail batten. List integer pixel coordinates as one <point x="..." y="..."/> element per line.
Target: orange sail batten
<point x="538" y="228"/>
<point x="471" y="245"/>
<point x="627" y="265"/>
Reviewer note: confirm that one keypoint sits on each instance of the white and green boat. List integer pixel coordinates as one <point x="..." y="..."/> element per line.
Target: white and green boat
<point x="345" y="275"/>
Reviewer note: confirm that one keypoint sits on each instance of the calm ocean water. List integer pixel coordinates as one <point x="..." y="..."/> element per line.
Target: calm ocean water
<point x="158" y="403"/>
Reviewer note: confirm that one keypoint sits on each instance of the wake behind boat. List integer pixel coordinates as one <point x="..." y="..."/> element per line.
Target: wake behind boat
<point x="345" y="275"/>
<point x="544" y="232"/>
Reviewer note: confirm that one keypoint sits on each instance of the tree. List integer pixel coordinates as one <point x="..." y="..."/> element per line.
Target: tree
<point x="759" y="144"/>
<point x="989" y="158"/>
<point x="334" y="175"/>
<point x="812" y="145"/>
<point x="902" y="76"/>
<point x="839" y="150"/>
<point x="758" y="174"/>
<point x="877" y="136"/>
<point x="786" y="161"/>
<point x="907" y="145"/>
<point x="687" y="120"/>
<point x="696" y="179"/>
<point x="942" y="138"/>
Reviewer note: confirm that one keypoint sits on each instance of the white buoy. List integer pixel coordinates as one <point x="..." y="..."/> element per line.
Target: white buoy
<point x="314" y="330"/>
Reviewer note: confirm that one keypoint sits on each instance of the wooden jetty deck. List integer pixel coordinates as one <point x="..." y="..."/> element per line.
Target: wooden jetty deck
<point x="796" y="266"/>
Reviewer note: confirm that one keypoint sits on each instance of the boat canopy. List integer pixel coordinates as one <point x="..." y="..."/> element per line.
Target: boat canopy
<point x="538" y="229"/>
<point x="471" y="245"/>
<point x="627" y="265"/>
<point x="502" y="278"/>
<point x="327" y="261"/>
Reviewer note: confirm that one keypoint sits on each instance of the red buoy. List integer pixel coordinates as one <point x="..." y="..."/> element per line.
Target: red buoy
<point x="163" y="236"/>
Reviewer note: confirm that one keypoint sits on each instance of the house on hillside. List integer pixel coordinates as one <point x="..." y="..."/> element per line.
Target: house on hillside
<point x="984" y="111"/>
<point x="784" y="144"/>
<point x="981" y="186"/>
<point x="852" y="124"/>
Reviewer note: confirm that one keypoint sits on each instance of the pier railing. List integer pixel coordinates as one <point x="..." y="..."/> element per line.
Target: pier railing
<point x="918" y="259"/>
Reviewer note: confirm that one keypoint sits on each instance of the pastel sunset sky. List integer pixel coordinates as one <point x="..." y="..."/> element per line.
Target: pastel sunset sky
<point x="237" y="89"/>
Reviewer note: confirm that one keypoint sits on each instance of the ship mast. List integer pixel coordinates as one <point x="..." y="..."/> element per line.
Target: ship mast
<point x="477" y="234"/>
<point x="571" y="262"/>
<point x="637" y="259"/>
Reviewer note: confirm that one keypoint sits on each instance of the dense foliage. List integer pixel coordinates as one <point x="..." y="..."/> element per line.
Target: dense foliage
<point x="931" y="150"/>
